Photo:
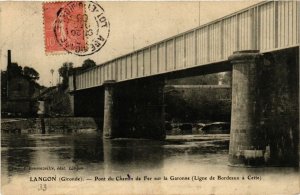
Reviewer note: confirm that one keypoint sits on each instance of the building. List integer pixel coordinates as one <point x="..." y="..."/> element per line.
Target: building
<point x="18" y="100"/>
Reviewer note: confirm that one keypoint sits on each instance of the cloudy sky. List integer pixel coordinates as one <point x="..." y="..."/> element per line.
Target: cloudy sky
<point x="133" y="25"/>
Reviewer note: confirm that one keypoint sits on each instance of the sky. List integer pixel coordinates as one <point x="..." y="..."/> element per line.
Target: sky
<point x="133" y="25"/>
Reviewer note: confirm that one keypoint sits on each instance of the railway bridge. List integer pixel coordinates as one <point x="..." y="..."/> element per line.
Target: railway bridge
<point x="259" y="44"/>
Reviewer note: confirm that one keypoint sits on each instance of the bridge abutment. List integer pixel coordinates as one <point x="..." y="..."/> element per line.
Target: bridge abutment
<point x="264" y="118"/>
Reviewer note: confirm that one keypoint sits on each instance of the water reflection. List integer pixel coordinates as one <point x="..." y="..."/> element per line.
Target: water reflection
<point x="129" y="154"/>
<point x="88" y="148"/>
<point x="17" y="150"/>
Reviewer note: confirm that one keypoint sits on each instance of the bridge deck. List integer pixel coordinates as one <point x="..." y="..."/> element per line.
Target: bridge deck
<point x="266" y="26"/>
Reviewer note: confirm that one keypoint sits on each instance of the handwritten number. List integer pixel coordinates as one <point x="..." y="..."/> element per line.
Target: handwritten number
<point x="42" y="187"/>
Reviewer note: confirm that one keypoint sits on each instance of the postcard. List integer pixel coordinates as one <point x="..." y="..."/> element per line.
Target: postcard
<point x="150" y="97"/>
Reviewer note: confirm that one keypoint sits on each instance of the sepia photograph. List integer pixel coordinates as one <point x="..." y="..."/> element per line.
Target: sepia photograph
<point x="150" y="97"/>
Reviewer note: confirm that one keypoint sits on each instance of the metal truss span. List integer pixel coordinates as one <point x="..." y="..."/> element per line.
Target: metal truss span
<point x="266" y="26"/>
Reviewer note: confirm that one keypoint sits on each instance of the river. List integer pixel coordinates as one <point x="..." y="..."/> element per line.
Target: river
<point x="182" y="164"/>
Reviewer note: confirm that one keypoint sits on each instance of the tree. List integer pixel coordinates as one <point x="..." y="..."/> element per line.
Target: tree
<point x="209" y="79"/>
<point x="31" y="73"/>
<point x="67" y="69"/>
<point x="64" y="71"/>
<point x="88" y="63"/>
<point x="14" y="70"/>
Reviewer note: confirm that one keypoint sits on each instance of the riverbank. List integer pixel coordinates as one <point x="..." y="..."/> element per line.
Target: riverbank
<point x="51" y="124"/>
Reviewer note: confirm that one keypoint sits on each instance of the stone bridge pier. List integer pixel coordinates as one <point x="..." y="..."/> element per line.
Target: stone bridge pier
<point x="134" y="109"/>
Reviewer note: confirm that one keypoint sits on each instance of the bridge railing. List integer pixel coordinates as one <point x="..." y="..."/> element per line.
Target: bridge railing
<point x="266" y="26"/>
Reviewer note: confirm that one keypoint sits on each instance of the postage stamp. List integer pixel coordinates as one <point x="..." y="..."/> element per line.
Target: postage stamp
<point x="76" y="27"/>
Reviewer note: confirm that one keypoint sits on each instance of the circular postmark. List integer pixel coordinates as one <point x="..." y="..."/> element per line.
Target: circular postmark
<point x="81" y="28"/>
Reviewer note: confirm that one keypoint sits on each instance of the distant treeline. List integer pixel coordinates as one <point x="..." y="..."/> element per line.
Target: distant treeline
<point x="199" y="104"/>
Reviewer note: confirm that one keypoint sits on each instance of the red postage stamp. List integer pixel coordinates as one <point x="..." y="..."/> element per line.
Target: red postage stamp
<point x="75" y="27"/>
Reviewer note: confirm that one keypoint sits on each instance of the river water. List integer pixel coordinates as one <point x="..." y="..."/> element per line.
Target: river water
<point x="182" y="164"/>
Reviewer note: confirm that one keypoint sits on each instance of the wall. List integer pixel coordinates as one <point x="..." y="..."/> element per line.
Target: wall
<point x="279" y="96"/>
<point x="51" y="124"/>
<point x="18" y="88"/>
<point x="19" y="107"/>
<point x="19" y="100"/>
